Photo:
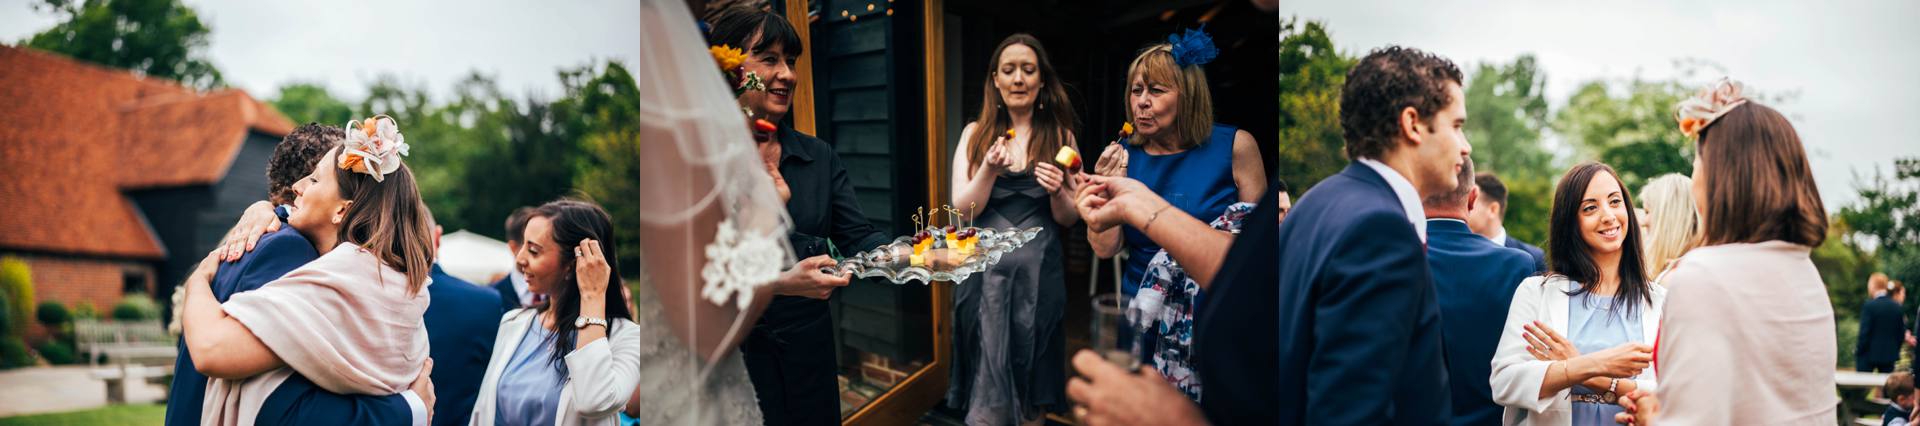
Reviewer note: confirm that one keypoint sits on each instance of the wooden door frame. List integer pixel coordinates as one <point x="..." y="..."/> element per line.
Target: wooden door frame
<point x="910" y="399"/>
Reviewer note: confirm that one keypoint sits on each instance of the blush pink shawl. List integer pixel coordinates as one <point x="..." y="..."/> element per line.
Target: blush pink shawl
<point x="345" y="321"/>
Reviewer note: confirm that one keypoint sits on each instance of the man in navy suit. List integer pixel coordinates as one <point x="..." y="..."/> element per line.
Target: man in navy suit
<point x="297" y="400"/>
<point x="1883" y="330"/>
<point x="513" y="287"/>
<point x="461" y="324"/>
<point x="1475" y="280"/>
<point x="1489" y="218"/>
<point x="1345" y="328"/>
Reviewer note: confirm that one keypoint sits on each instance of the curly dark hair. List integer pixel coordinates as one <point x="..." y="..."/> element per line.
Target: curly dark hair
<point x="293" y="158"/>
<point x="1387" y="81"/>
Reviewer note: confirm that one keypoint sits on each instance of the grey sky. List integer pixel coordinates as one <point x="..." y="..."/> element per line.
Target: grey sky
<point x="260" y="45"/>
<point x="1852" y="63"/>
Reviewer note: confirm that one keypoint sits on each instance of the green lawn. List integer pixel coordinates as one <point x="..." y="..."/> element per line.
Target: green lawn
<point x="140" y="414"/>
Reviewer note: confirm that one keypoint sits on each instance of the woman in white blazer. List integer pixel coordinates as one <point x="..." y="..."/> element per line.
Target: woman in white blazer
<point x="575" y="359"/>
<point x="1582" y="334"/>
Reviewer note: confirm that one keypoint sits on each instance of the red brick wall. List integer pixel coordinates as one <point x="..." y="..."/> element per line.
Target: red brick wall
<point x="71" y="280"/>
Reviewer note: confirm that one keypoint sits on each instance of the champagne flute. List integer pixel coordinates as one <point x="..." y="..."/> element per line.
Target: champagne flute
<point x="1114" y="335"/>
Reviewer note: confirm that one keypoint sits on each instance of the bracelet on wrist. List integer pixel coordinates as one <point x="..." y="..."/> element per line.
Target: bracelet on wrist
<point x="1153" y="217"/>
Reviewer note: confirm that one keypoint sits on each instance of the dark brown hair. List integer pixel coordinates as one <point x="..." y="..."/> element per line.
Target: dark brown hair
<point x="1899" y="385"/>
<point x="1758" y="184"/>
<point x="735" y="26"/>
<point x="1387" y="81"/>
<point x="517" y="224"/>
<point x="1052" y="119"/>
<point x="573" y="221"/>
<point x="295" y="156"/>
<point x="1491" y="189"/>
<point x="1567" y="254"/>
<point x="388" y="219"/>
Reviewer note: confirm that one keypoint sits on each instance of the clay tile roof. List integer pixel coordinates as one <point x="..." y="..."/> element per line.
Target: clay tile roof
<point x="76" y="135"/>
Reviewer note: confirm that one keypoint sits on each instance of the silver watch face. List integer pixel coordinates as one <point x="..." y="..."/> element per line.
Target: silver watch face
<point x="580" y="322"/>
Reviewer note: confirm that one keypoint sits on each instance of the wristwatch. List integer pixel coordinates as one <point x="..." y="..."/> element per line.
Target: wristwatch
<point x="583" y="322"/>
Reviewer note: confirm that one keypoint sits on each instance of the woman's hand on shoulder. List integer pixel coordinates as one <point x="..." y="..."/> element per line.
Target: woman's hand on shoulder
<point x="259" y="219"/>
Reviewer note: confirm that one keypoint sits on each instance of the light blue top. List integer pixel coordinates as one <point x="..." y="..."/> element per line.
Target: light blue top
<point x="1594" y="325"/>
<point x="529" y="391"/>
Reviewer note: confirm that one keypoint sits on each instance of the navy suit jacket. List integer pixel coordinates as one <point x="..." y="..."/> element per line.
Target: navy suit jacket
<point x="1475" y="280"/>
<point x="1358" y="328"/>
<point x="461" y="324"/>
<point x="1539" y="257"/>
<point x="275" y="255"/>
<point x="1883" y="330"/>
<point x="509" y="299"/>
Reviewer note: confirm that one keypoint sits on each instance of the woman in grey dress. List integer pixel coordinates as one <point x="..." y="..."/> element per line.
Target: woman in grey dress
<point x="1009" y="350"/>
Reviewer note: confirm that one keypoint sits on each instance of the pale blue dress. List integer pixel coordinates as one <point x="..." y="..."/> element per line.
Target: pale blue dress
<point x="1594" y="325"/>
<point x="530" y="385"/>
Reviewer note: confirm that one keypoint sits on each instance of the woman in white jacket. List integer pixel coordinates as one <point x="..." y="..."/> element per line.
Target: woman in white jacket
<point x="1583" y="333"/>
<point x="574" y="359"/>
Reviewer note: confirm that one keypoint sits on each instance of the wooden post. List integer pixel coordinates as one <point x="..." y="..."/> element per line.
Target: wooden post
<point x="802" y="111"/>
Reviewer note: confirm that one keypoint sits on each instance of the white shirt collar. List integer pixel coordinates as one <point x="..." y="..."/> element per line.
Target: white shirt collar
<point x="520" y="287"/>
<point x="1446" y="219"/>
<point x="1499" y="236"/>
<point x="1403" y="189"/>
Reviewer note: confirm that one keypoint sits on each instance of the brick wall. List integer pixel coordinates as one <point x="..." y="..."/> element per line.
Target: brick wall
<point x="71" y="280"/>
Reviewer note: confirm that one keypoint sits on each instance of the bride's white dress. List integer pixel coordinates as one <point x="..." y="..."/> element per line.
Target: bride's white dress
<point x="712" y="230"/>
<point x="672" y="397"/>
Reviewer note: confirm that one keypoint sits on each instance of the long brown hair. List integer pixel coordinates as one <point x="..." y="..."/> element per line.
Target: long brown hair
<point x="1567" y="253"/>
<point x="1759" y="186"/>
<point x="388" y="219"/>
<point x="1053" y="118"/>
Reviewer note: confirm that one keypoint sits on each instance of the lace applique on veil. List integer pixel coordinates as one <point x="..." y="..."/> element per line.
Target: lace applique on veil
<point x="737" y="263"/>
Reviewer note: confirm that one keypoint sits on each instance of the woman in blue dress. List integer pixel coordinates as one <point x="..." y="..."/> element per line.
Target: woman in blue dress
<point x="1200" y="167"/>
<point x="1581" y="335"/>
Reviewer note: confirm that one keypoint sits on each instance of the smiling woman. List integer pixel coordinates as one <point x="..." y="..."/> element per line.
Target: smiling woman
<point x="1582" y="334"/>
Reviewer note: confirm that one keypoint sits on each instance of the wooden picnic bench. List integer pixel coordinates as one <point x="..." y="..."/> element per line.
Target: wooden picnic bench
<point x="138" y="350"/>
<point x="1862" y="384"/>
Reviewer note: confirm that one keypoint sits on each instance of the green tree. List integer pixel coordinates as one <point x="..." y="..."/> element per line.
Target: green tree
<point x="16" y="280"/>
<point x="154" y="38"/>
<point x="1635" y="134"/>
<point x="610" y="106"/>
<point x="312" y="103"/>
<point x="1887" y="215"/>
<point x="1311" y="75"/>
<point x="1506" y="115"/>
<point x="445" y="138"/>
<point x="1844" y="268"/>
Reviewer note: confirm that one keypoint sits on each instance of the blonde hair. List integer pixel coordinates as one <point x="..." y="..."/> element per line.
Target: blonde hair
<point x="1674" y="223"/>
<point x="1193" y="122"/>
